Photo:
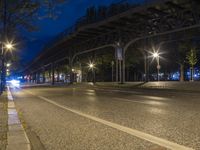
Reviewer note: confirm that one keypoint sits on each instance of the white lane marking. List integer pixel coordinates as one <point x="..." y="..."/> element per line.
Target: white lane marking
<point x="147" y="102"/>
<point x="139" y="134"/>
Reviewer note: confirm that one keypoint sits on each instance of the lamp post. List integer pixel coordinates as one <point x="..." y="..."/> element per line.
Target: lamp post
<point x="9" y="46"/>
<point x="73" y="75"/>
<point x="6" y="46"/>
<point x="157" y="57"/>
<point x="91" y="66"/>
<point x="112" y="64"/>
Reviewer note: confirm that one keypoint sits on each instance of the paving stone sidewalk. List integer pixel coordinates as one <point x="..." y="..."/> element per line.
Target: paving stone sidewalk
<point x="16" y="136"/>
<point x="3" y="121"/>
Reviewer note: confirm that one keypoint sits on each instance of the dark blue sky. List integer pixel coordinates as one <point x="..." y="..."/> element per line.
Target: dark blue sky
<point x="67" y="14"/>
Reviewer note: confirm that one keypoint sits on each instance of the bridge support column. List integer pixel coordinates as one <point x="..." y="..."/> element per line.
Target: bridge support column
<point x="146" y="67"/>
<point x="31" y="78"/>
<point x="43" y="76"/>
<point x="120" y="71"/>
<point x="120" y="59"/>
<point x="71" y="74"/>
<point x="117" y="70"/>
<point x="58" y="76"/>
<point x="53" y="74"/>
<point x="37" y="77"/>
<point x="123" y="69"/>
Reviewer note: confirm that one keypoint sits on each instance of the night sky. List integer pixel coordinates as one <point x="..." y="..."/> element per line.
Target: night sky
<point x="67" y="13"/>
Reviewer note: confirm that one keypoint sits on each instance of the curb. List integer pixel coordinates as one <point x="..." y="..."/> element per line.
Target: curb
<point x="17" y="137"/>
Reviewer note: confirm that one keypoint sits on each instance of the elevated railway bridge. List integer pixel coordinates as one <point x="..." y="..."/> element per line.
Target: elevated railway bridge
<point x="157" y="21"/>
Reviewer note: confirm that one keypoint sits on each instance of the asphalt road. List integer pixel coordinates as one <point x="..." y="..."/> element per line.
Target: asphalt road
<point x="86" y="118"/>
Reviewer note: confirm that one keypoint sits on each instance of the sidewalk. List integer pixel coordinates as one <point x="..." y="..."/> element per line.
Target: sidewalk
<point x="32" y="85"/>
<point x="12" y="134"/>
<point x="162" y="85"/>
<point x="16" y="136"/>
<point x="3" y="121"/>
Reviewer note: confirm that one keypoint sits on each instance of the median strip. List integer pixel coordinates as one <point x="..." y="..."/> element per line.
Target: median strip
<point x="136" y="133"/>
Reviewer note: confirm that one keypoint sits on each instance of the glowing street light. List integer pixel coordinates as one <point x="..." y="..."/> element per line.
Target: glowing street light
<point x="92" y="66"/>
<point x="8" y="65"/>
<point x="9" y="46"/>
<point x="157" y="57"/>
<point x="6" y="46"/>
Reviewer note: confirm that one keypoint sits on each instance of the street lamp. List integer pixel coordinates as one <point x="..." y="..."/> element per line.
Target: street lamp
<point x="112" y="64"/>
<point x="6" y="46"/>
<point x="8" y="65"/>
<point x="73" y="77"/>
<point x="157" y="57"/>
<point x="92" y="66"/>
<point x="9" y="46"/>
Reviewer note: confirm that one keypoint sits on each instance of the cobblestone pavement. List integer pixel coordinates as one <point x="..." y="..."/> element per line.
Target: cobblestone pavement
<point x="3" y="121"/>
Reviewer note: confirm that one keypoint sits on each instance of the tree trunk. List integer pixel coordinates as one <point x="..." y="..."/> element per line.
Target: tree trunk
<point x="181" y="72"/>
<point x="58" y="76"/>
<point x="134" y="75"/>
<point x="192" y="73"/>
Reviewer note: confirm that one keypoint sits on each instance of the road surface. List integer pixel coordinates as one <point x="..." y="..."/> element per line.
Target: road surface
<point x="91" y="118"/>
